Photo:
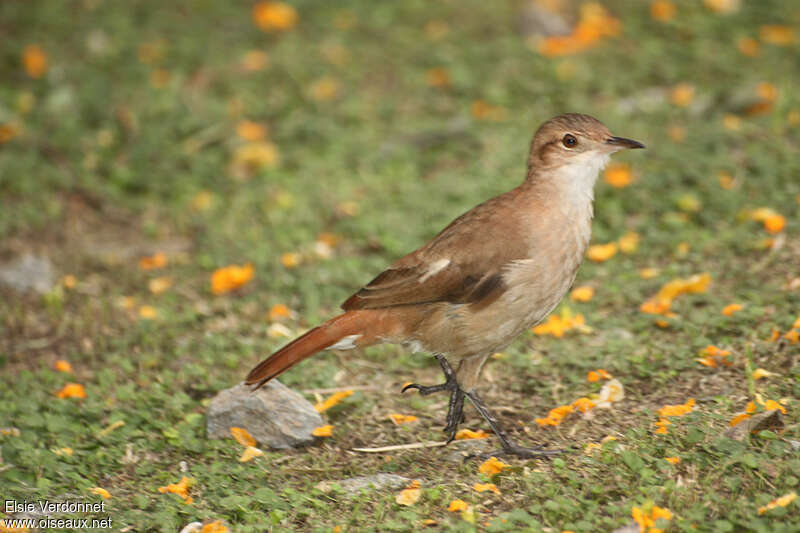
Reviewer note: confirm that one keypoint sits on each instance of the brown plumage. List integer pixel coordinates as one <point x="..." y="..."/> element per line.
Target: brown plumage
<point x="493" y="272"/>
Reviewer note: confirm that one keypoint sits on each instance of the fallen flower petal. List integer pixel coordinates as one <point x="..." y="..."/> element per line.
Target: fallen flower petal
<point x="464" y="434"/>
<point x="270" y="16"/>
<point x="783" y="501"/>
<point x="483" y="487"/>
<point x="597" y="375"/>
<point x="399" y="419"/>
<point x="181" y="488"/>
<point x="332" y="400"/>
<point x="408" y="496"/>
<point x="279" y="311"/>
<point x="492" y="466"/>
<point x="672" y="460"/>
<point x="612" y="391"/>
<point x="457" y="505"/>
<point x="677" y="410"/>
<point x="730" y="309"/>
<point x="618" y="175"/>
<point x="214" y="527"/>
<point x="583" y="293"/>
<point x="629" y="242"/>
<point x="159" y="285"/>
<point x="323" y="431"/>
<point x="231" y="277"/>
<point x="72" y="390"/>
<point x="760" y="373"/>
<point x="243" y="437"/>
<point x="583" y="405"/>
<point x="250" y="453"/>
<point x="738" y="419"/>
<point x="103" y="493"/>
<point x="602" y="252"/>
<point x="152" y="262"/>
<point x="63" y="366"/>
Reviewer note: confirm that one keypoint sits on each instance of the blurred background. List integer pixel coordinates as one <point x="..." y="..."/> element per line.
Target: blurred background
<point x="185" y="185"/>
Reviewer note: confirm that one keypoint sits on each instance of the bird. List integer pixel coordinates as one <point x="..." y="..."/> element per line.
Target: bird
<point x="492" y="273"/>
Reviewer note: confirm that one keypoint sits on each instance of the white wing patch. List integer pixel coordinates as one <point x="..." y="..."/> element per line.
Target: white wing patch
<point x="436" y="267"/>
<point x="345" y="343"/>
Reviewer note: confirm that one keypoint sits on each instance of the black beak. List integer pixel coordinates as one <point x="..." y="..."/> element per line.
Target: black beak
<point x="624" y="143"/>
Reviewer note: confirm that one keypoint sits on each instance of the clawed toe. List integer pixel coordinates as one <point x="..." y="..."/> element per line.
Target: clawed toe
<point x="425" y="390"/>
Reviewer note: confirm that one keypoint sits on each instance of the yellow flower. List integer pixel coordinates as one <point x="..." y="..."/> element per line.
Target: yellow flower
<point x="34" y="59"/>
<point x="243" y="437"/>
<point x="278" y="312"/>
<point x="714" y="357"/>
<point x="738" y="419"/>
<point x="492" y="466"/>
<point x="231" y="277"/>
<point x="214" y="527"/>
<point x="69" y="281"/>
<point x="457" y="505"/>
<point x="483" y="487"/>
<point x="783" y="501"/>
<point x="290" y="259"/>
<point x="672" y="460"/>
<point x="148" y="312"/>
<point x="555" y="416"/>
<point x="254" y="156"/>
<point x="777" y="34"/>
<point x="72" y="390"/>
<point x="250" y="453"/>
<point x="677" y="410"/>
<point x="410" y="495"/>
<point x="251" y="131"/>
<point x="726" y="181"/>
<point x="181" y="488"/>
<point x="618" y="175"/>
<point x="103" y="493"/>
<point x="662" y="10"/>
<point x="597" y="375"/>
<point x="594" y="24"/>
<point x="324" y="89"/>
<point x="399" y="419"/>
<point x="647" y="519"/>
<point x="158" y="260"/>
<point x="583" y="404"/>
<point x="274" y="16"/>
<point x="723" y="7"/>
<point x="584" y="293"/>
<point x="482" y="110"/>
<point x="602" y="252"/>
<point x="648" y="273"/>
<point x="8" y="132"/>
<point x="438" y="77"/>
<point x="334" y="399"/>
<point x="682" y="94"/>
<point x="760" y="373"/>
<point x="323" y="431"/>
<point x="557" y="325"/>
<point x="63" y="366"/>
<point x="159" y="285"/>
<point x="464" y="434"/>
<point x="629" y="242"/>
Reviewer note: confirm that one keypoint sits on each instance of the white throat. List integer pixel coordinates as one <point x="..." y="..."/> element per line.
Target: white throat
<point x="577" y="178"/>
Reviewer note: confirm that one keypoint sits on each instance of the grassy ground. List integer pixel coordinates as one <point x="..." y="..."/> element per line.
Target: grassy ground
<point x="128" y="146"/>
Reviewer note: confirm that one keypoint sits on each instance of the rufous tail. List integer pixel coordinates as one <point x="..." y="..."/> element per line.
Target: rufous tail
<point x="316" y="340"/>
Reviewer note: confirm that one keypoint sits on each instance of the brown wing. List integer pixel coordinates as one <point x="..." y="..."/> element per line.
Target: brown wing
<point x="475" y="247"/>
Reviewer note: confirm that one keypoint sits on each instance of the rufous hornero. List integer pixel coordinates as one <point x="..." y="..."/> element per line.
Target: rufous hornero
<point x="494" y="272"/>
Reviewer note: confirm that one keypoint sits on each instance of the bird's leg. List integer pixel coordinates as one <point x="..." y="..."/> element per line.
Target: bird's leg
<point x="455" y="412"/>
<point x="509" y="447"/>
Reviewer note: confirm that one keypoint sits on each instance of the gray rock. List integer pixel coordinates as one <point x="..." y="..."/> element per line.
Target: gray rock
<point x="274" y="415"/>
<point x="28" y="273"/>
<point x="458" y="450"/>
<point x="354" y="485"/>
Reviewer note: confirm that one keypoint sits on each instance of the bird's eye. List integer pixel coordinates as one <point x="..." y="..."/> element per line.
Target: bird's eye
<point x="569" y="140"/>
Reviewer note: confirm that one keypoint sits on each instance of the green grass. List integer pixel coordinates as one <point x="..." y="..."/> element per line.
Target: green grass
<point x="106" y="167"/>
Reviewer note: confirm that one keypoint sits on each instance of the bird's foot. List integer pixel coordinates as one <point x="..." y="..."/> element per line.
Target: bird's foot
<point x="455" y="412"/>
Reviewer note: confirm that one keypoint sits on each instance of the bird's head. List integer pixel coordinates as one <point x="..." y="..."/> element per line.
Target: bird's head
<point x="575" y="141"/>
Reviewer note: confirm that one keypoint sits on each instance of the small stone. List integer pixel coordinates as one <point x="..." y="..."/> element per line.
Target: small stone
<point x="461" y="449"/>
<point x="28" y="273"/>
<point x="274" y="415"/>
<point x="354" y="485"/>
